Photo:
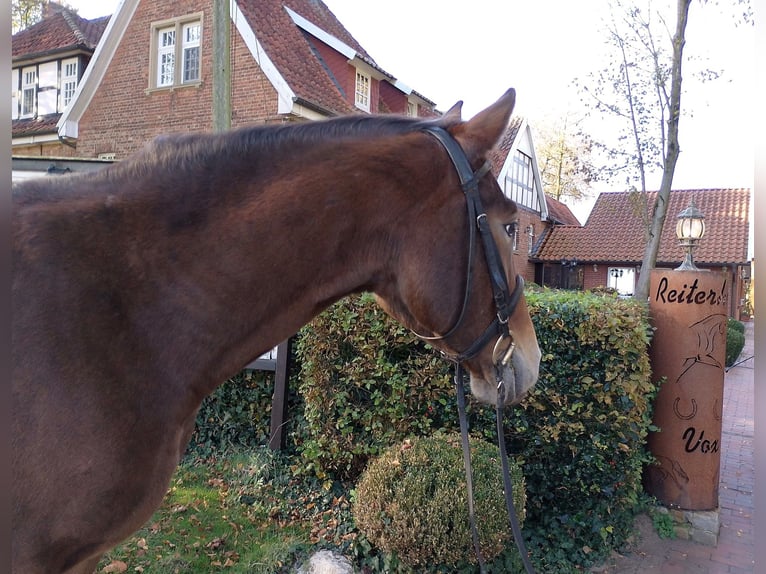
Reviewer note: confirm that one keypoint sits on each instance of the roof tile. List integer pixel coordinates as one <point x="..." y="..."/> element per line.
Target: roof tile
<point x="62" y="31"/>
<point x="614" y="230"/>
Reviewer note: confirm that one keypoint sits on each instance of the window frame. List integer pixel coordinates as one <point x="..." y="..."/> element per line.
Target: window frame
<point x="363" y="96"/>
<point x="28" y="86"/>
<point x="180" y="51"/>
<point x="68" y="80"/>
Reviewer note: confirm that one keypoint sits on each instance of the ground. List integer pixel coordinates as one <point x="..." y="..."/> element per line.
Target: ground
<point x="646" y="551"/>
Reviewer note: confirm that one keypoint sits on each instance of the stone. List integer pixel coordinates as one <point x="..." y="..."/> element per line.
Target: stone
<point x="327" y="562"/>
<point x="705" y="520"/>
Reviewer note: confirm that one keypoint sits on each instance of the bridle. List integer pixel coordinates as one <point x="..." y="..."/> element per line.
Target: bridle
<point x="505" y="305"/>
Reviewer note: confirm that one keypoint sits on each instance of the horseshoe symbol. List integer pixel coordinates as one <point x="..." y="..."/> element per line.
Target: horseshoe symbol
<point x="678" y="413"/>
<point x="717" y="410"/>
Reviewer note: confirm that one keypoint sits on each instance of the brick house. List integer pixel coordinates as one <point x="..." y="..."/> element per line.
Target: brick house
<point x="152" y="73"/>
<point x="48" y="62"/>
<point x="607" y="251"/>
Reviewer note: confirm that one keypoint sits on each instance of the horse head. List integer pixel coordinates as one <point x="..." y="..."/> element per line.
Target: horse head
<point x="466" y="298"/>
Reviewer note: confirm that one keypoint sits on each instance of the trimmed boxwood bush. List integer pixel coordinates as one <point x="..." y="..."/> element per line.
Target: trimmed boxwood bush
<point x="412" y="502"/>
<point x="735" y="340"/>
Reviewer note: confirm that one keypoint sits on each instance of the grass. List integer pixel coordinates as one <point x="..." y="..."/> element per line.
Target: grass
<point x="244" y="513"/>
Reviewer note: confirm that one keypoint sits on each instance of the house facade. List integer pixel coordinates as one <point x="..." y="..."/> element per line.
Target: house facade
<point x="608" y="250"/>
<point x="48" y="63"/>
<point x="152" y="73"/>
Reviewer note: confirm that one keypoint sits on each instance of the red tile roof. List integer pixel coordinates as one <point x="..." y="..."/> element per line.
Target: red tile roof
<point x="62" y="31"/>
<point x="560" y="213"/>
<point x="35" y="126"/>
<point x="614" y="230"/>
<point x="291" y="52"/>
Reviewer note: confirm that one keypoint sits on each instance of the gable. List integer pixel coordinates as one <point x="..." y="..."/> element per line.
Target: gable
<point x="515" y="163"/>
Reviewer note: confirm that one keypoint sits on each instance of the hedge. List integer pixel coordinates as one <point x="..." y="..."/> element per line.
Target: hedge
<point x="368" y="384"/>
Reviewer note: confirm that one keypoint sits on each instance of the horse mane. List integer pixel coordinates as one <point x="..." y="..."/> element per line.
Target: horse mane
<point x="198" y="148"/>
<point x="201" y="152"/>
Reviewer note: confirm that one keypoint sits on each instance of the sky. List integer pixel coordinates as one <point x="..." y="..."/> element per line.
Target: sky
<point x="474" y="51"/>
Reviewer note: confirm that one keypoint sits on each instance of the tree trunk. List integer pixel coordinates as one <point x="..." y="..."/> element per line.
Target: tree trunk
<point x="659" y="211"/>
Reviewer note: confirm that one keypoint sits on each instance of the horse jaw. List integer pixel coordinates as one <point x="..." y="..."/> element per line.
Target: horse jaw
<point x="519" y="377"/>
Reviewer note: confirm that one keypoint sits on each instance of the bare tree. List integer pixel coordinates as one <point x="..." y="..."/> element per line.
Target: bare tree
<point x="642" y="88"/>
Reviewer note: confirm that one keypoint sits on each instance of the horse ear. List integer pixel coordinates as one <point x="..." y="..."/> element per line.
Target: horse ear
<point x="480" y="134"/>
<point x="454" y="114"/>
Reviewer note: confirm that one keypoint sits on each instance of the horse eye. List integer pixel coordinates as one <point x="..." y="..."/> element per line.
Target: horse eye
<point x="511" y="228"/>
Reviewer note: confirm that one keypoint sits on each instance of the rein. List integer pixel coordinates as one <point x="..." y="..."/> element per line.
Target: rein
<point x="505" y="304"/>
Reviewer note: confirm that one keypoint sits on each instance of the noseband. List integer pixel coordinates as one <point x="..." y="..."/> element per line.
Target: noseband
<point x="505" y="304"/>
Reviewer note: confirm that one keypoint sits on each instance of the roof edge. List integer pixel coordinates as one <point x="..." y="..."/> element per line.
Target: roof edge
<point x="68" y="125"/>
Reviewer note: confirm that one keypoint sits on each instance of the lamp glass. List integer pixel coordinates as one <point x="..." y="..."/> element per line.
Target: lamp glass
<point x="690" y="228"/>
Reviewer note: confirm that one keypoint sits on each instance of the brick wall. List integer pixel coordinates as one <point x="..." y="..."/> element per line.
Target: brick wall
<point x="521" y="255"/>
<point x="53" y="149"/>
<point x="591" y="278"/>
<point x="123" y="114"/>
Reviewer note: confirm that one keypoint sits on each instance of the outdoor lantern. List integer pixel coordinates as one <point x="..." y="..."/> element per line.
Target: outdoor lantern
<point x="689" y="229"/>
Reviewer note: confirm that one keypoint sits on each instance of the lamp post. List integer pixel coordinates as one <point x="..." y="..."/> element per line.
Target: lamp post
<point x="690" y="228"/>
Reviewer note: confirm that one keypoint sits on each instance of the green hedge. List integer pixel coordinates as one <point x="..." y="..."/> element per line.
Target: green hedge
<point x="368" y="384"/>
<point x="581" y="432"/>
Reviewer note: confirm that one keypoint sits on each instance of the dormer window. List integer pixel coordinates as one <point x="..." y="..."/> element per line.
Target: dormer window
<point x="362" y="91"/>
<point x="176" y="54"/>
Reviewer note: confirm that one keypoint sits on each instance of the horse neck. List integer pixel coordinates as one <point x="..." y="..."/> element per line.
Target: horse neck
<point x="273" y="254"/>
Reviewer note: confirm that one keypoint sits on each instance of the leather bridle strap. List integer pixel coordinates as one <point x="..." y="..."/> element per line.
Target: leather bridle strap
<point x="505" y="304"/>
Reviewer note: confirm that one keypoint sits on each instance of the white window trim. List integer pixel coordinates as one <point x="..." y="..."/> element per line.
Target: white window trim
<point x="26" y="85"/>
<point x="179" y="25"/>
<point x="15" y="93"/>
<point x="362" y="96"/>
<point x="68" y="79"/>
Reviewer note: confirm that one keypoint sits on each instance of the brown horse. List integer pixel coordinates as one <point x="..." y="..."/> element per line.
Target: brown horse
<point x="138" y="289"/>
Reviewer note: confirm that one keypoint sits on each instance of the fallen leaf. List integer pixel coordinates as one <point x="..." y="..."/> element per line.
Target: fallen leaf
<point x="115" y="566"/>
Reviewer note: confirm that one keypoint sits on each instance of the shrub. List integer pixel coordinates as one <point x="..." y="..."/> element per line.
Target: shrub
<point x="734" y="325"/>
<point x="412" y="501"/>
<point x="735" y="340"/>
<point x="581" y="431"/>
<point x="367" y="383"/>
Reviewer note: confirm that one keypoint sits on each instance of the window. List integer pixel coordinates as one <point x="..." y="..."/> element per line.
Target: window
<point x="68" y="81"/>
<point x="191" y="49"/>
<point x="530" y="238"/>
<point x="168" y="50"/>
<point x="166" y="57"/>
<point x="522" y="182"/>
<point x="362" y="91"/>
<point x="412" y="109"/>
<point x="28" y="88"/>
